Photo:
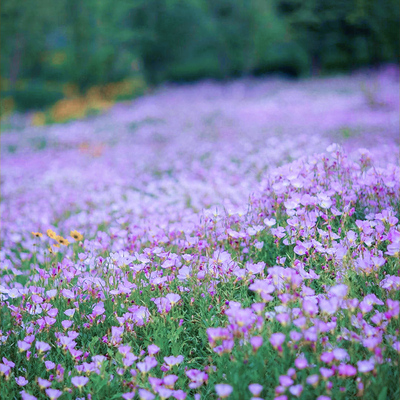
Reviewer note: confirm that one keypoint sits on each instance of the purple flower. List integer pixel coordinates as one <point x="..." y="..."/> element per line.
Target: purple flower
<point x="5" y="369"/>
<point x="147" y="364"/>
<point x="68" y="294"/>
<point x="312" y="380"/>
<point x="301" y="362"/>
<point x="49" y="365"/>
<point x="197" y="378"/>
<point x="347" y="370"/>
<point x="164" y="393"/>
<point x="340" y="354"/>
<point x="277" y="340"/>
<point x="365" y="366"/>
<point x="27" y="396"/>
<point x="153" y="349"/>
<point x="23" y="346"/>
<point x="124" y="350"/>
<point x="128" y="396"/>
<point x="42" y="346"/>
<point x="295" y="336"/>
<point x="296" y="390"/>
<point x="146" y="395"/>
<point x="169" y="381"/>
<point x="310" y="307"/>
<point x="163" y="305"/>
<point x="327" y="357"/>
<point x="129" y="359"/>
<point x="256" y="342"/>
<point x="21" y="381"/>
<point x="53" y="394"/>
<point x="223" y="390"/>
<point x="255" y="389"/>
<point x="43" y="383"/>
<point x="326" y="372"/>
<point x="179" y="394"/>
<point x="173" y="298"/>
<point x="79" y="381"/>
<point x="171" y="360"/>
<point x="285" y="380"/>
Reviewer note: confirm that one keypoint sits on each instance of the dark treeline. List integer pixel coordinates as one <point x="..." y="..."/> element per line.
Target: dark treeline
<point x="93" y="42"/>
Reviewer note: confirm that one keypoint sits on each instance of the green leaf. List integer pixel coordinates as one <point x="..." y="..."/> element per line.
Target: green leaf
<point x="383" y="394"/>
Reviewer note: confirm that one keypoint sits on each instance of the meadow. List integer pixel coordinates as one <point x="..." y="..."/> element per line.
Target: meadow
<point x="231" y="240"/>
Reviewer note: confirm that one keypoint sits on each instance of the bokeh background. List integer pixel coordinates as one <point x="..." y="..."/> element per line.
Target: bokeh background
<point x="71" y="58"/>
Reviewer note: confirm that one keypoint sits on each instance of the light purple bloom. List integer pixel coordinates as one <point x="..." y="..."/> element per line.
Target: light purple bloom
<point x="21" y="381"/>
<point x="255" y="389"/>
<point x="27" y="396"/>
<point x="53" y="394"/>
<point x="296" y="390"/>
<point x="79" y="381"/>
<point x="223" y="390"/>
<point x="365" y="365"/>
<point x="277" y="339"/>
<point x="145" y="395"/>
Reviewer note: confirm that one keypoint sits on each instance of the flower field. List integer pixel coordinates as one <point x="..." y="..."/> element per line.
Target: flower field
<point x="206" y="241"/>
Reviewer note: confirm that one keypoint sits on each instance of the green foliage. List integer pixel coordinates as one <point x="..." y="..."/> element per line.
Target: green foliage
<point x="96" y="42"/>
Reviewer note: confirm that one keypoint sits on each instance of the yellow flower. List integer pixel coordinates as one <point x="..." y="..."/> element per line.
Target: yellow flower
<point x="62" y="241"/>
<point x="51" y="234"/>
<point x="76" y="235"/>
<point x="37" y="234"/>
<point x="56" y="245"/>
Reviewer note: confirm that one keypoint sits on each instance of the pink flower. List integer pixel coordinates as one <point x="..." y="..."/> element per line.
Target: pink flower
<point x="301" y="363"/>
<point x="347" y="370"/>
<point x="256" y="342"/>
<point x="277" y="340"/>
<point x="326" y="372"/>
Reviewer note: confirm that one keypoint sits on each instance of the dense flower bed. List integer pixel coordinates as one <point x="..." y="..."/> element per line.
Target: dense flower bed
<point x="195" y="245"/>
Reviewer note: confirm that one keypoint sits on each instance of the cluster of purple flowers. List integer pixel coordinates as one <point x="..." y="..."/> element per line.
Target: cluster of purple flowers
<point x="309" y="251"/>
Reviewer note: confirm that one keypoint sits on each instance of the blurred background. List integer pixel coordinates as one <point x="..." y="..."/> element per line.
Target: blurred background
<point x="66" y="59"/>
